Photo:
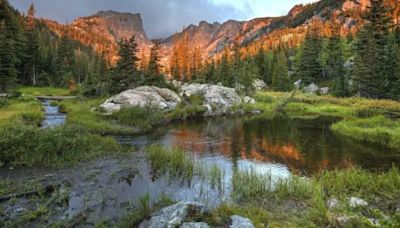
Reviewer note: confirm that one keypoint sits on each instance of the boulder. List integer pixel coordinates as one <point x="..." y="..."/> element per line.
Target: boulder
<point x="324" y="90"/>
<point x="248" y="100"/>
<point x="195" y="225"/>
<point x="215" y="95"/>
<point x="312" y="88"/>
<point x="357" y="202"/>
<point x="332" y="203"/>
<point x="240" y="222"/>
<point x="174" y="215"/>
<point x="297" y="84"/>
<point x="259" y="84"/>
<point x="142" y="97"/>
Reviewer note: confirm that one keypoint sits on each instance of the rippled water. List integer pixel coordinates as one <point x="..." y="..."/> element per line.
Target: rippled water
<point x="53" y="116"/>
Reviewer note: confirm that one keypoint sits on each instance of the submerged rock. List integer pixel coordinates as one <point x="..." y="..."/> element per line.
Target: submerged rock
<point x="175" y="215"/>
<point x="240" y="222"/>
<point x="142" y="97"/>
<point x="357" y="202"/>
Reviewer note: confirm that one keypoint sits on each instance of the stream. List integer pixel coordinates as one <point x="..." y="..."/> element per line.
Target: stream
<point x="279" y="146"/>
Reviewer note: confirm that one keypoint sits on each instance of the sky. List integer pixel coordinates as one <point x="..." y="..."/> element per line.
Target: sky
<point x="162" y="18"/>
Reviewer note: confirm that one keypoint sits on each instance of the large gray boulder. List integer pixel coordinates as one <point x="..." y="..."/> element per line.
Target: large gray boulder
<point x="175" y="216"/>
<point x="218" y="96"/>
<point x="142" y="97"/>
<point x="312" y="88"/>
<point x="259" y="84"/>
<point x="240" y="222"/>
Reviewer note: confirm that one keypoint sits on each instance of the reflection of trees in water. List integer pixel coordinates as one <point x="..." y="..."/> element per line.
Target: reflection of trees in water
<point x="305" y="145"/>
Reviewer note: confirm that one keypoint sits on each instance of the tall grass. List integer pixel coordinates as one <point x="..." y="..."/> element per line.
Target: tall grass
<point x="23" y="144"/>
<point x="175" y="163"/>
<point x="377" y="129"/>
<point x="143" y="118"/>
<point x="27" y="110"/>
<point x="84" y="113"/>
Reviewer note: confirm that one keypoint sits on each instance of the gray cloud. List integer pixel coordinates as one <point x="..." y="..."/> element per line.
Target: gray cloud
<point x="161" y="18"/>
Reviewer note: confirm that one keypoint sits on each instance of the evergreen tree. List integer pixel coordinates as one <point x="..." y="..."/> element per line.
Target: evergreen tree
<point x="335" y="64"/>
<point x="280" y="76"/>
<point x="8" y="72"/>
<point x="154" y="76"/>
<point x="224" y="71"/>
<point x="263" y="64"/>
<point x="371" y="72"/>
<point x="309" y="68"/>
<point x="393" y="69"/>
<point x="125" y="73"/>
<point x="248" y="72"/>
<point x="32" y="55"/>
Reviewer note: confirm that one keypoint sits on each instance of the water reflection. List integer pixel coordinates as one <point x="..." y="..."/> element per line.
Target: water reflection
<point x="280" y="143"/>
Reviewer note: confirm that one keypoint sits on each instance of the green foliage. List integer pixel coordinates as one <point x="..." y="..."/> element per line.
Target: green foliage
<point x="125" y="73"/>
<point x="143" y="118"/>
<point x="280" y="72"/>
<point x="44" y="91"/>
<point x="309" y="68"/>
<point x="378" y="129"/>
<point x="28" y="145"/>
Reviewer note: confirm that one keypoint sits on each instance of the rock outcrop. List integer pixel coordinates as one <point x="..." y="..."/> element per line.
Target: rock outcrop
<point x="217" y="96"/>
<point x="144" y="96"/>
<point x="181" y="214"/>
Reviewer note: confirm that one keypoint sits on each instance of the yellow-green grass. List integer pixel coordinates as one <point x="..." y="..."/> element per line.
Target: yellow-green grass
<point x="26" y="109"/>
<point x="43" y="91"/>
<point x="83" y="113"/>
<point x="377" y="129"/>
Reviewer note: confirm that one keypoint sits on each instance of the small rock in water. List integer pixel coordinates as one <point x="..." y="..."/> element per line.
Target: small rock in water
<point x="19" y="210"/>
<point x="256" y="112"/>
<point x="240" y="222"/>
<point x="332" y="203"/>
<point x="195" y="225"/>
<point x="11" y="168"/>
<point x="357" y="202"/>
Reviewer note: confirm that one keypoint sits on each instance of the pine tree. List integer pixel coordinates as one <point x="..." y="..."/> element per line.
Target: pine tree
<point x="248" y="72"/>
<point x="211" y="73"/>
<point x="335" y="64"/>
<point x="263" y="63"/>
<point x="125" y="73"/>
<point x="309" y="68"/>
<point x="371" y="72"/>
<point x="8" y="72"/>
<point x="393" y="69"/>
<point x="224" y="71"/>
<point x="280" y="76"/>
<point x="153" y="74"/>
<point x="32" y="55"/>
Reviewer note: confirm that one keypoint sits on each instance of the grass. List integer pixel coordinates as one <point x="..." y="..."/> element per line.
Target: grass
<point x="362" y="119"/>
<point x="28" y="110"/>
<point x="379" y="129"/>
<point x="143" y="118"/>
<point x="83" y="113"/>
<point x="43" y="91"/>
<point x="175" y="163"/>
<point x="144" y="209"/>
<point x="28" y="145"/>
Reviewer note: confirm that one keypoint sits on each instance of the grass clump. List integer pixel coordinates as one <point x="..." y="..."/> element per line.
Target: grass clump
<point x="377" y="129"/>
<point x="143" y="118"/>
<point x="43" y="91"/>
<point x="27" y="110"/>
<point x="28" y="145"/>
<point x="83" y="113"/>
<point x="144" y="209"/>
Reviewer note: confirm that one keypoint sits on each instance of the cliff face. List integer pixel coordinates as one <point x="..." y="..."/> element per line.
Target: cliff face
<point x="104" y="29"/>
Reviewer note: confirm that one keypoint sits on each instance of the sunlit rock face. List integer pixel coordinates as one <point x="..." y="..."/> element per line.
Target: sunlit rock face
<point x="145" y="96"/>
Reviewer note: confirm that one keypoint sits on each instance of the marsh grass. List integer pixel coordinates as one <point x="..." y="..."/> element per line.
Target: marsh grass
<point x="27" y="110"/>
<point x="379" y="129"/>
<point x="84" y="113"/>
<point x="143" y="118"/>
<point x="175" y="163"/>
<point x="23" y="144"/>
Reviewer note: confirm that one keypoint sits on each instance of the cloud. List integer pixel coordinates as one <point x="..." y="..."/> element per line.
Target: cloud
<point x="161" y="18"/>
